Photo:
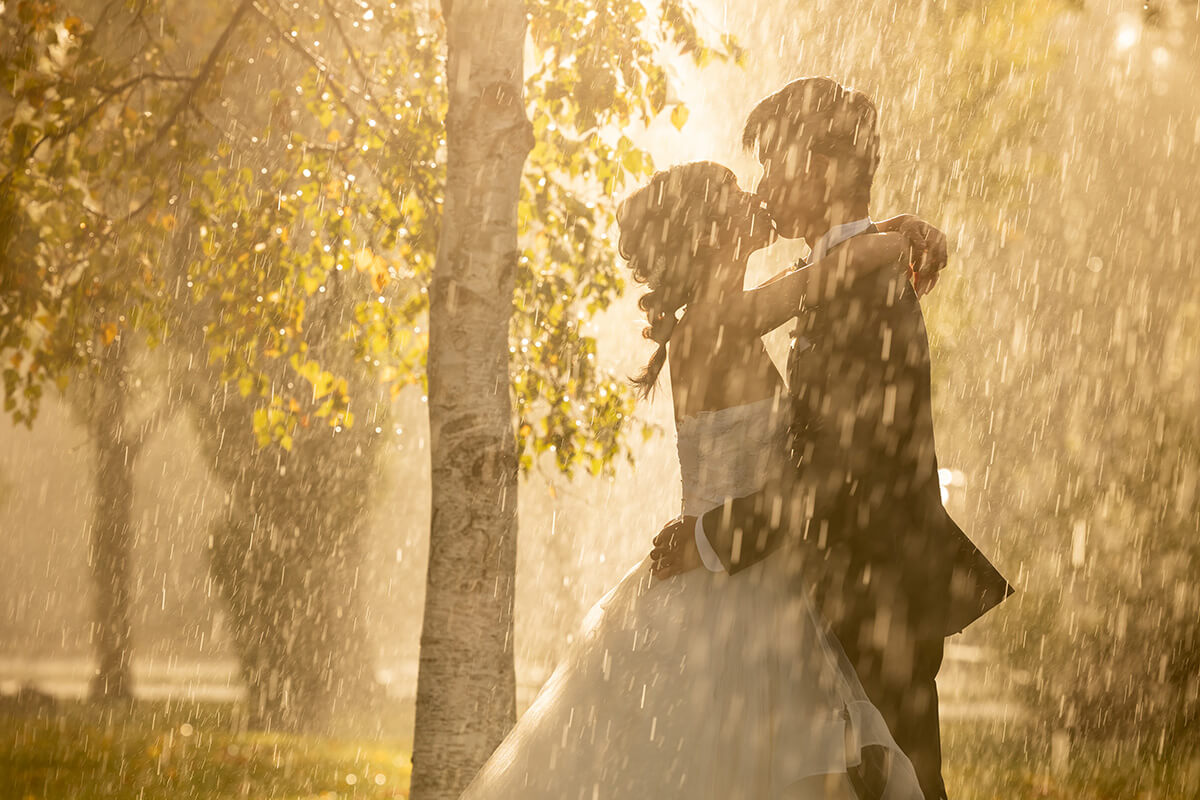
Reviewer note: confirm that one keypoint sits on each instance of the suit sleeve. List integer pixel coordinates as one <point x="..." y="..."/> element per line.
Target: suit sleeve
<point x="726" y="529"/>
<point x="791" y="512"/>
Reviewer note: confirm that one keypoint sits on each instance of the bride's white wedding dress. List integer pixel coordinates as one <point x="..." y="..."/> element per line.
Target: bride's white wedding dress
<point x="703" y="685"/>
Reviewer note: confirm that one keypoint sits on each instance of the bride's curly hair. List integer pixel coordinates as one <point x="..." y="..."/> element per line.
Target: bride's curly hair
<point x="668" y="232"/>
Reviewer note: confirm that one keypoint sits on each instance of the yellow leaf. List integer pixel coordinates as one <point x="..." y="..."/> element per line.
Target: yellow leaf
<point x="679" y="116"/>
<point x="322" y="385"/>
<point x="334" y="136"/>
<point x="109" y="332"/>
<point x="379" y="280"/>
<point x="309" y="370"/>
<point x="363" y="260"/>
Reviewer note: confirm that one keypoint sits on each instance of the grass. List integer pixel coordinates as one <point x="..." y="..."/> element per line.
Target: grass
<point x="196" y="752"/>
<point x="160" y="751"/>
<point x="994" y="761"/>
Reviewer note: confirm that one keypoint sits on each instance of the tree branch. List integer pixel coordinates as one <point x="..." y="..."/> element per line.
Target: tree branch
<point x="339" y="89"/>
<point x="205" y="70"/>
<point x="106" y="94"/>
<point x="335" y="18"/>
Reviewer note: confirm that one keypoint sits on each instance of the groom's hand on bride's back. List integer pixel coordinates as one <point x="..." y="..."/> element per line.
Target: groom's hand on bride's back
<point x="674" y="550"/>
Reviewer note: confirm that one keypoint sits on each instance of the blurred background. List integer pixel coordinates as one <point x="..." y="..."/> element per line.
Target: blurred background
<point x="1057" y="144"/>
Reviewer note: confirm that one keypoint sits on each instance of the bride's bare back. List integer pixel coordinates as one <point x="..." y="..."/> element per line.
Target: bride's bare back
<point x="715" y="365"/>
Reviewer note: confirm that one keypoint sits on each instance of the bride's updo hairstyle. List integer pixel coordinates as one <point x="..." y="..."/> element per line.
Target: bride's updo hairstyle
<point x="669" y="231"/>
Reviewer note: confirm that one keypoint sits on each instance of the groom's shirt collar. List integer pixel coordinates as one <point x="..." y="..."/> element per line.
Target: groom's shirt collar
<point x="836" y="235"/>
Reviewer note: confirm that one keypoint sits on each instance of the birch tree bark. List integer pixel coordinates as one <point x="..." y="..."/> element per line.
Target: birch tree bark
<point x="466" y="687"/>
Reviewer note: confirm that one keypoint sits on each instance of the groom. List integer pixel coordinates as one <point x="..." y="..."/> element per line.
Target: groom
<point x="861" y="505"/>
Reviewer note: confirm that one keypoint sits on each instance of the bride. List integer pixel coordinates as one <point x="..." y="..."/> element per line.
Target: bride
<point x="664" y="694"/>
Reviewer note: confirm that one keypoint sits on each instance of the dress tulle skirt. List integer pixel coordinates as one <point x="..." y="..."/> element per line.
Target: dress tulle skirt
<point x="700" y="686"/>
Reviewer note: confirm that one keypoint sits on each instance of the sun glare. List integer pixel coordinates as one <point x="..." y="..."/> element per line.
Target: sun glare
<point x="1127" y="36"/>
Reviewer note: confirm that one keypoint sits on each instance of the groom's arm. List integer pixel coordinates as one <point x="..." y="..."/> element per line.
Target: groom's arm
<point x="790" y="513"/>
<point x="746" y="530"/>
<point x="739" y="533"/>
<point x="716" y="540"/>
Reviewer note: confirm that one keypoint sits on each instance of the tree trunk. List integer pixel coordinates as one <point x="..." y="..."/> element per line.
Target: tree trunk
<point x="112" y="529"/>
<point x="466" y="687"/>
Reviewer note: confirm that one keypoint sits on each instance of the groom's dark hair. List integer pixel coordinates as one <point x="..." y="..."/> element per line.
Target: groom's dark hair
<point x="831" y="118"/>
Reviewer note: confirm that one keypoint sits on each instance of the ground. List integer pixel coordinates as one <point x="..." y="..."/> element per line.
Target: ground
<point x="161" y="751"/>
<point x="1012" y="761"/>
<point x="195" y="751"/>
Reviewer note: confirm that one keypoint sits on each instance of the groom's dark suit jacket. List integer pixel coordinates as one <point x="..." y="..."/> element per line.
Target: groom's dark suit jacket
<point x="863" y="498"/>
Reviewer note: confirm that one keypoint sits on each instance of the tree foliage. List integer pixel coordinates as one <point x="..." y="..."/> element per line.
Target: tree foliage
<point x="140" y="194"/>
<point x="259" y="187"/>
<point x="75" y="247"/>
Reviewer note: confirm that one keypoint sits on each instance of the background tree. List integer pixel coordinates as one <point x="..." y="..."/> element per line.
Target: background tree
<point x="76" y="284"/>
<point x="1109" y="629"/>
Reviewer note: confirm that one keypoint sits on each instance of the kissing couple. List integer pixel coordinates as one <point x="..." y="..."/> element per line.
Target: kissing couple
<point x="782" y="639"/>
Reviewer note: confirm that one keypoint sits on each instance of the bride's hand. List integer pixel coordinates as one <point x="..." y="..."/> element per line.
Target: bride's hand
<point x="930" y="251"/>
<point x="674" y="549"/>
